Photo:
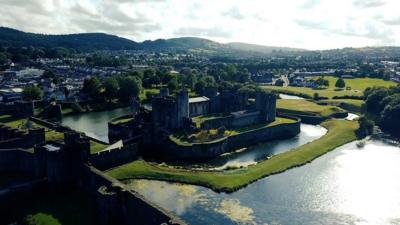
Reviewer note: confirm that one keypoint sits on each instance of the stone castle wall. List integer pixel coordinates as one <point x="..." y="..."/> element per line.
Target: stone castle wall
<point x="118" y="205"/>
<point x="114" y="157"/>
<point x="15" y="138"/>
<point x="197" y="151"/>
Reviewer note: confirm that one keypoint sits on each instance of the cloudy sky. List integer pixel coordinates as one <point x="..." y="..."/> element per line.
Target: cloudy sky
<point x="310" y="24"/>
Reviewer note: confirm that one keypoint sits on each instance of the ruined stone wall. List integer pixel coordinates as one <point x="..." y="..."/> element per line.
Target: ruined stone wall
<point x="24" y="109"/>
<point x="6" y="108"/>
<point x="118" y="131"/>
<point x="212" y="149"/>
<point x="246" y="119"/>
<point x="115" y="157"/>
<point x="116" y="204"/>
<point x="253" y="137"/>
<point x="266" y="104"/>
<point x="216" y="123"/>
<point x="15" y="138"/>
<point x="20" y="160"/>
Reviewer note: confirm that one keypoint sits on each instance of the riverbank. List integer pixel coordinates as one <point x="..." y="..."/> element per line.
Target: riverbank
<point x="339" y="132"/>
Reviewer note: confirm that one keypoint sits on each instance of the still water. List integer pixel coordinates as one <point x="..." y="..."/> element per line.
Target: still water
<point x="258" y="153"/>
<point x="346" y="186"/>
<point x="285" y="96"/>
<point x="94" y="124"/>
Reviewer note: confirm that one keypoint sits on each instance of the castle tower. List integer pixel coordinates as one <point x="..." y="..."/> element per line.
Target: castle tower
<point x="182" y="104"/>
<point x="266" y="104"/>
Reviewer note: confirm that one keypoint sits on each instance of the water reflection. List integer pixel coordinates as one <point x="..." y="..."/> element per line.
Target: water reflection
<point x="285" y="96"/>
<point x="346" y="186"/>
<point x="253" y="155"/>
<point x="352" y="116"/>
<point x="94" y="124"/>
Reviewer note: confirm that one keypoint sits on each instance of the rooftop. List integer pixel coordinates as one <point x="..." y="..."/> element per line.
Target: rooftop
<point x="198" y="99"/>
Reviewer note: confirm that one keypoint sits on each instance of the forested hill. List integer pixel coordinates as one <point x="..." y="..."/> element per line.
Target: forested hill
<point x="80" y="42"/>
<point x="99" y="41"/>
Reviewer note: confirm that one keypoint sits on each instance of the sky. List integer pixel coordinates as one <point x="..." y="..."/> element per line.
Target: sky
<point x="308" y="24"/>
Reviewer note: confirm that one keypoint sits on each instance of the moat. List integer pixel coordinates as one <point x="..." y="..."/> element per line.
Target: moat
<point x="346" y="186"/>
<point x="94" y="124"/>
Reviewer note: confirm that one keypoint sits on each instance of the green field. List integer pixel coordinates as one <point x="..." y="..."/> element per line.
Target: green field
<point x="358" y="85"/>
<point x="352" y="105"/>
<point x="306" y="107"/>
<point x="339" y="133"/>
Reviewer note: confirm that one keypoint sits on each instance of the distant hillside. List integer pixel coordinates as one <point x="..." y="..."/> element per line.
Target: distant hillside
<point x="81" y="42"/>
<point x="239" y="46"/>
<point x="99" y="41"/>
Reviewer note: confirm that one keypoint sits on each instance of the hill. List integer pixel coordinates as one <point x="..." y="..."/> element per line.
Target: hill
<point x="99" y="41"/>
<point x="239" y="46"/>
<point x="81" y="42"/>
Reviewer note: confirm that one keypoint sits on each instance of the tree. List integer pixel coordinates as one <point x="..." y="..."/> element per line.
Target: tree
<point x="111" y="88"/>
<point x="209" y="81"/>
<point x="279" y="82"/>
<point x="190" y="79"/>
<point x="3" y="58"/>
<point x="129" y="87"/>
<point x="390" y="119"/>
<point x="374" y="100"/>
<point x="340" y="83"/>
<point x="173" y="84"/>
<point x="31" y="93"/>
<point x="199" y="87"/>
<point x="92" y="87"/>
<point x="366" y="127"/>
<point x="48" y="74"/>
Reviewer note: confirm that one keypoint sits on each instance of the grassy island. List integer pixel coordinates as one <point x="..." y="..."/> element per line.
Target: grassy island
<point x="339" y="132"/>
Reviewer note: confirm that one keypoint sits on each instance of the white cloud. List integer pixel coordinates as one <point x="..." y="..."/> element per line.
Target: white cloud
<point x="312" y="24"/>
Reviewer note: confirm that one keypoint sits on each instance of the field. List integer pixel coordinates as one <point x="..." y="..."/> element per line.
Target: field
<point x="339" y="133"/>
<point x="352" y="105"/>
<point x="306" y="107"/>
<point x="358" y="85"/>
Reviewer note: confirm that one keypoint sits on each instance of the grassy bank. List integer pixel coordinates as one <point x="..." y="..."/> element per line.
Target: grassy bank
<point x="352" y="105"/>
<point x="306" y="107"/>
<point x="358" y="85"/>
<point x="339" y="133"/>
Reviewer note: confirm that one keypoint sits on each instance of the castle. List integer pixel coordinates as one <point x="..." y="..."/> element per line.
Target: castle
<point x="176" y="114"/>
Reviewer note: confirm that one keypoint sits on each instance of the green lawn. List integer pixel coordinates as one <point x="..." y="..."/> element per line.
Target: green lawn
<point x="353" y="105"/>
<point x="306" y="107"/>
<point x="96" y="146"/>
<point x="142" y="95"/>
<point x="358" y="85"/>
<point x="11" y="121"/>
<point x="200" y="119"/>
<point x="339" y="133"/>
<point x="122" y="120"/>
